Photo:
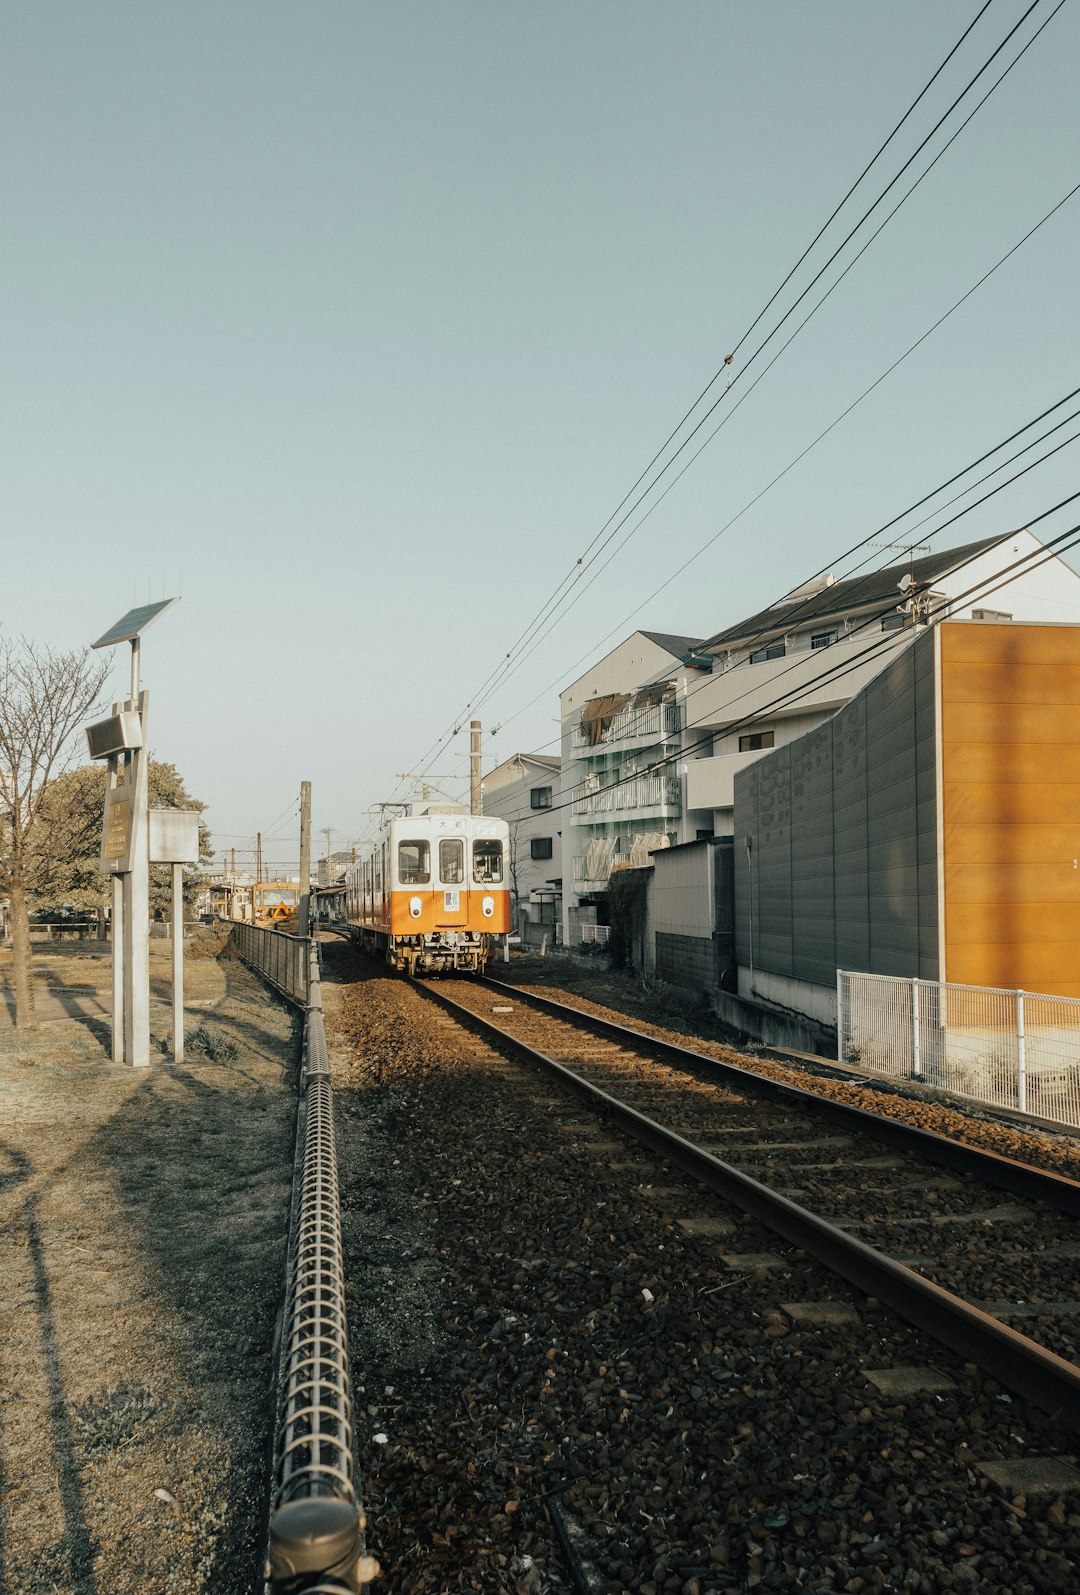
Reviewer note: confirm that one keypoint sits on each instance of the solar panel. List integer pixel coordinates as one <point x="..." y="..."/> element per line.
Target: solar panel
<point x="133" y="623"/>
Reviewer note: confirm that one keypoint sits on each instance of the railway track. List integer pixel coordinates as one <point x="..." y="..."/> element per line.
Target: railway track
<point x="560" y="1338"/>
<point x="979" y="1250"/>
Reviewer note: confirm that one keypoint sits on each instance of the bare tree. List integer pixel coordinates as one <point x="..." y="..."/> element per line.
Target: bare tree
<point x="45" y="695"/>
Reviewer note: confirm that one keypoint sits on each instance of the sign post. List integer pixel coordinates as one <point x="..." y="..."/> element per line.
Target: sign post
<point x="125" y="845"/>
<point x="174" y="839"/>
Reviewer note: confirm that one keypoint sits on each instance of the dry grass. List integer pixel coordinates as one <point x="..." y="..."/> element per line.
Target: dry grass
<point x="142" y="1230"/>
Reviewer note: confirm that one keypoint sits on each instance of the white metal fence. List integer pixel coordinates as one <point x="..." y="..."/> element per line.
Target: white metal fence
<point x="595" y="935"/>
<point x="1015" y="1049"/>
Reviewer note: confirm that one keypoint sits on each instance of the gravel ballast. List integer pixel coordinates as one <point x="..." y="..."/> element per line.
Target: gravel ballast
<point x="542" y="1315"/>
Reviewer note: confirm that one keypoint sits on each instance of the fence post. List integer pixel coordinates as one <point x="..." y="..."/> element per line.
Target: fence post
<point x="916" y="1039"/>
<point x="1021" y="1058"/>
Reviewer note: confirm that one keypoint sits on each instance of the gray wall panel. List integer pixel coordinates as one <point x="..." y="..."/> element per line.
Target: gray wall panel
<point x="843" y="825"/>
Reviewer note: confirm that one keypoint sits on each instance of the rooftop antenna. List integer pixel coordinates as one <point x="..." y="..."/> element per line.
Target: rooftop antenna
<point x="912" y="605"/>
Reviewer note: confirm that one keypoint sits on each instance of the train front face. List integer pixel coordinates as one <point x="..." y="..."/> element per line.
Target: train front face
<point x="450" y="890"/>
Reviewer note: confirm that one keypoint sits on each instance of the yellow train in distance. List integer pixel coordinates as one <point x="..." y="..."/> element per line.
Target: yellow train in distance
<point x="434" y="891"/>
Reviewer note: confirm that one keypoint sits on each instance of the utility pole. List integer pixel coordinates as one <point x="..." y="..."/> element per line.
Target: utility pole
<point x="328" y="832"/>
<point x="474" y="767"/>
<point x="258" y="877"/>
<point x="305" y="857"/>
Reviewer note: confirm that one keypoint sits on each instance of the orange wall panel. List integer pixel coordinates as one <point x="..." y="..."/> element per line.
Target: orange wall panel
<point x="998" y="722"/>
<point x="1055" y="848"/>
<point x="1014" y="644"/>
<point x="1010" y="805"/>
<point x="1022" y="682"/>
<point x="1026" y="761"/>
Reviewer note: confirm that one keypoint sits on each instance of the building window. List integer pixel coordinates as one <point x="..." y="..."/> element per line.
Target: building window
<point x="822" y="639"/>
<point x="540" y="847"/>
<point x="540" y="797"/>
<point x="893" y="623"/>
<point x="989" y="614"/>
<point x="775" y="650"/>
<point x="755" y="740"/>
<point x="414" y="863"/>
<point x="703" y="836"/>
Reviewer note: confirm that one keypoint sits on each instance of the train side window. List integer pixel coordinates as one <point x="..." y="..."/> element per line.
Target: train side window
<point x="414" y="863"/>
<point x="487" y="862"/>
<point x="452" y="861"/>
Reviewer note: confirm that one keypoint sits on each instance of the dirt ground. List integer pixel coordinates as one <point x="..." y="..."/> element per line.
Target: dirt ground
<point x="142" y="1236"/>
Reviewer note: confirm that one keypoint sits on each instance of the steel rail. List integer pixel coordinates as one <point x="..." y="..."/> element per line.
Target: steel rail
<point x="1048" y="1381"/>
<point x="1022" y="1179"/>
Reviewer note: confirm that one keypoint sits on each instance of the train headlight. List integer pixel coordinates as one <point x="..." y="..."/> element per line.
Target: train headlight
<point x="487" y="906"/>
<point x="416" y="907"/>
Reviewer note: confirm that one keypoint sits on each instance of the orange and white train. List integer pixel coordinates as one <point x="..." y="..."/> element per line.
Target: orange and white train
<point x="434" y="891"/>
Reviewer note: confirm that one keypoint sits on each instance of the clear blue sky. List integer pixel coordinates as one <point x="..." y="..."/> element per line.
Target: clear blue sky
<point x="364" y="317"/>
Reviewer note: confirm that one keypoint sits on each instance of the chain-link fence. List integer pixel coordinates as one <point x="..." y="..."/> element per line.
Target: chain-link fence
<point x="1015" y="1049"/>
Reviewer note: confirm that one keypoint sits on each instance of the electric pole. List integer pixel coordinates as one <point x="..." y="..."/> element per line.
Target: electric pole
<point x="258" y="877"/>
<point x="305" y="858"/>
<point x="328" y="831"/>
<point x="474" y="768"/>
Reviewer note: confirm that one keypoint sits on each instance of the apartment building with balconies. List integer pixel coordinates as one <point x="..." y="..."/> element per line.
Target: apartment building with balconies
<point x="621" y="797"/>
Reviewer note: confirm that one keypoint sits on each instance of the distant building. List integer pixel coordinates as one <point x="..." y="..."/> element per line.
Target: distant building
<point x="524" y="791"/>
<point x="226" y="895"/>
<point x="621" y="794"/>
<point x="328" y="871"/>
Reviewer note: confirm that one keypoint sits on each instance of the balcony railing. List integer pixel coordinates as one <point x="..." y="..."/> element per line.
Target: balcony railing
<point x="634" y="725"/>
<point x="643" y="792"/>
<point x="596" y="872"/>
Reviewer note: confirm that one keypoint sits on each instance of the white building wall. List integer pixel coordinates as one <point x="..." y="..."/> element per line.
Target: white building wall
<point x="506" y="794"/>
<point x="1048" y="592"/>
<point x="631" y="665"/>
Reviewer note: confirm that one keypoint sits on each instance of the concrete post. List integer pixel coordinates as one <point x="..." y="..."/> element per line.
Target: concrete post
<point x="178" y="962"/>
<point x="305" y="859"/>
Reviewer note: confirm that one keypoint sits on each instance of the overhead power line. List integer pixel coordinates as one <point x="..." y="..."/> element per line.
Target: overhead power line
<point x="836" y="671"/>
<point x="893" y="366"/>
<point x="546" y="617"/>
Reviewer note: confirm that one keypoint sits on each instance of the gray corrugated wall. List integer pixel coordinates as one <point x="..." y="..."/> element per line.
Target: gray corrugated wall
<point x="844" y="843"/>
<point x="681" y="890"/>
<point x="813" y="921"/>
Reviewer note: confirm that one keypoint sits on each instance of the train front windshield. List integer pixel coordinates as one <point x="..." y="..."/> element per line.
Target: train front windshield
<point x="487" y="863"/>
<point x="414" y="863"/>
